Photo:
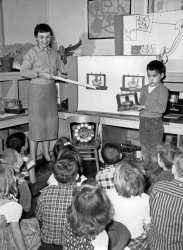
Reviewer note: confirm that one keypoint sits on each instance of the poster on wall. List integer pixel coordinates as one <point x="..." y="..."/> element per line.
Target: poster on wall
<point x="100" y="17"/>
<point x="154" y="34"/>
<point x="164" y="5"/>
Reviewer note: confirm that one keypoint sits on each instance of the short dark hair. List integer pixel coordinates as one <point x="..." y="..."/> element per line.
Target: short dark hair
<point x="166" y="153"/>
<point x="110" y="154"/>
<point x="158" y="66"/>
<point x="16" y="140"/>
<point x="42" y="28"/>
<point x="65" y="169"/>
<point x="128" y="179"/>
<point x="90" y="211"/>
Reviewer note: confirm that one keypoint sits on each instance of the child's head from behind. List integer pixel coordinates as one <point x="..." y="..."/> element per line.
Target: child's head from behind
<point x="111" y="154"/>
<point x="166" y="152"/>
<point x="90" y="210"/>
<point x="7" y="181"/>
<point x="59" y="145"/>
<point x="62" y="147"/>
<point x="177" y="168"/>
<point x="65" y="169"/>
<point x="19" y="142"/>
<point x="128" y="180"/>
<point x="12" y="158"/>
<point x="156" y="72"/>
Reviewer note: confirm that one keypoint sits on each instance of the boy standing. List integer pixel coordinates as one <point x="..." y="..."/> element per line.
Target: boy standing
<point x="153" y="103"/>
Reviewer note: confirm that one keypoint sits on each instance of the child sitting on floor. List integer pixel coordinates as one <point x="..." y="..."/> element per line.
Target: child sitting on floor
<point x="11" y="158"/>
<point x="166" y="154"/>
<point x="87" y="216"/>
<point x="61" y="147"/>
<point x="111" y="156"/>
<point x="10" y="211"/>
<point x="166" y="203"/>
<point x="20" y="143"/>
<point x="54" y="200"/>
<point x="131" y="204"/>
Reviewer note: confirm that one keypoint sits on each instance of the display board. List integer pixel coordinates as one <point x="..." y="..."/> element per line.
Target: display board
<point x="154" y="34"/>
<point x="109" y="73"/>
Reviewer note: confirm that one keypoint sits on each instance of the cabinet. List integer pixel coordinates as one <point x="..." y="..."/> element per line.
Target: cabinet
<point x="13" y="86"/>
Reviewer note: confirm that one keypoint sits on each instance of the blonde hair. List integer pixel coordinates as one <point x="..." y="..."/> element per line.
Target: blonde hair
<point x="128" y="179"/>
<point x="7" y="182"/>
<point x="178" y="162"/>
<point x="10" y="157"/>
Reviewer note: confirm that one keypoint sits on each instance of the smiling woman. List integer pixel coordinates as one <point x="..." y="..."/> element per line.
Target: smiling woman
<point x="40" y="63"/>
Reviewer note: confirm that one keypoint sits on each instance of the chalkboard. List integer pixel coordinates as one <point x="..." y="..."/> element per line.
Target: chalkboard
<point x="154" y="34"/>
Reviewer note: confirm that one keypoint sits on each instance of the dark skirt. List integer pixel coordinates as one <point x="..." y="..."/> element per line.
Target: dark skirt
<point x="43" y="113"/>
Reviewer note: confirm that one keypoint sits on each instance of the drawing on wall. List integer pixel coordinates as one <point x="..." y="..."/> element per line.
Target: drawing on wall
<point x="100" y="17"/>
<point x="132" y="82"/>
<point x="165" y="5"/>
<point x="154" y="34"/>
<point x="97" y="80"/>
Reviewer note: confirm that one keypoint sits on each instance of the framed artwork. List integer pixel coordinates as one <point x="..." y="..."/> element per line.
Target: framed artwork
<point x="164" y="5"/>
<point x="97" y="80"/>
<point x="132" y="82"/>
<point x="101" y="16"/>
<point x="126" y="101"/>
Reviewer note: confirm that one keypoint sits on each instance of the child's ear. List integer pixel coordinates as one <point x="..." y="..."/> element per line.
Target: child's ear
<point x="22" y="150"/>
<point x="162" y="75"/>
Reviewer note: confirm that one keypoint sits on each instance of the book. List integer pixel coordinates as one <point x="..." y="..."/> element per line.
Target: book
<point x="172" y="116"/>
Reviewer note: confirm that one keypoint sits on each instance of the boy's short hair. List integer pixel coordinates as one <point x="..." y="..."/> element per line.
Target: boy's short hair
<point x="166" y="153"/>
<point x="128" y="180"/>
<point x="16" y="140"/>
<point x="65" y="169"/>
<point x="110" y="154"/>
<point x="158" y="66"/>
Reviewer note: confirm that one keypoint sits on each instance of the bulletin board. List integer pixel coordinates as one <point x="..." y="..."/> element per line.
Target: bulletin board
<point x="154" y="34"/>
<point x="110" y="71"/>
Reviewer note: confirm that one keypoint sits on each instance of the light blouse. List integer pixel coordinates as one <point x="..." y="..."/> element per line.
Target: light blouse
<point x="12" y="211"/>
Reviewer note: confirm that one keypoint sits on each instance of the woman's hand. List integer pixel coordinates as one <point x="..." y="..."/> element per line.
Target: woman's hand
<point x="47" y="76"/>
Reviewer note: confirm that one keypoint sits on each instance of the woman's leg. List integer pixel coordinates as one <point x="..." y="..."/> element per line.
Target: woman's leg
<point x="46" y="149"/>
<point x="33" y="153"/>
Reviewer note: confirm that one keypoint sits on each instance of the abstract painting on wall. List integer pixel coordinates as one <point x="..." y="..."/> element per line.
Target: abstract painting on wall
<point x="101" y="17"/>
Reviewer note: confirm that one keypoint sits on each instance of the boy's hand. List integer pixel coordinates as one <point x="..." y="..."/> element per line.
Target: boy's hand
<point x="140" y="107"/>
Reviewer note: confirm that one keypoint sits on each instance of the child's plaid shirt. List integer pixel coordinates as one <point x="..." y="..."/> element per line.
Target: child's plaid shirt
<point x="105" y="176"/>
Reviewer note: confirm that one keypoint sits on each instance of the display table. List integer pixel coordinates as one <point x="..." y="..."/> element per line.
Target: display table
<point x="132" y="122"/>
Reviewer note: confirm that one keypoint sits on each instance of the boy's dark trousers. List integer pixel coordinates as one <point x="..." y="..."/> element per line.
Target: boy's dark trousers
<point x="151" y="134"/>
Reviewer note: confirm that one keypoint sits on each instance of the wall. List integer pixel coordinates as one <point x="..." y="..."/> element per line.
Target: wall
<point x="68" y="20"/>
<point x="20" y="17"/>
<point x="70" y="25"/>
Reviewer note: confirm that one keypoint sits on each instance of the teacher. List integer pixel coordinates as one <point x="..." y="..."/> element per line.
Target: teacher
<point x="40" y="63"/>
